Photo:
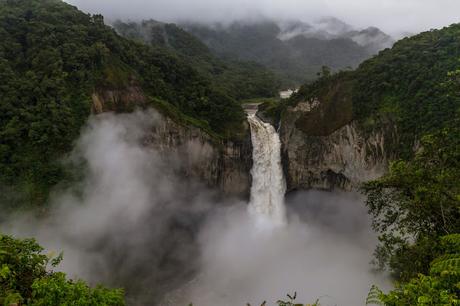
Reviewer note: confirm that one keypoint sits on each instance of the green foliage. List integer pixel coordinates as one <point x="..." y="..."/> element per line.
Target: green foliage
<point x="21" y="262"/>
<point x="55" y="289"/>
<point x="294" y="60"/>
<point x="52" y="59"/>
<point x="374" y="296"/>
<point x="290" y="301"/>
<point x="439" y="287"/>
<point x="408" y="86"/>
<point x="239" y="80"/>
<point x="331" y="103"/>
<point x="26" y="280"/>
<point x="272" y="109"/>
<point x="269" y="109"/>
<point x="412" y="90"/>
<point x="417" y="201"/>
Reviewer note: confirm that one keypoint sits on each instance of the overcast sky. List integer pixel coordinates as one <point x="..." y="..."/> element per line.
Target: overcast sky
<point x="392" y="16"/>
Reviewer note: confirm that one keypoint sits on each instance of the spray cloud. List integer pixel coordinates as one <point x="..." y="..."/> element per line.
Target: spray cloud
<point x="127" y="224"/>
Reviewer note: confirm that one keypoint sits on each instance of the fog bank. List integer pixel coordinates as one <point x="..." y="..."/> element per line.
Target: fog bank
<point x="124" y="223"/>
<point x="132" y="221"/>
<point x="392" y="16"/>
<point x="323" y="253"/>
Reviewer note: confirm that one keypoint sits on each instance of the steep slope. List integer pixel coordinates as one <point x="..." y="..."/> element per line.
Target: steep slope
<point x="58" y="64"/>
<point x="240" y="80"/>
<point x="295" y="50"/>
<point x="345" y="128"/>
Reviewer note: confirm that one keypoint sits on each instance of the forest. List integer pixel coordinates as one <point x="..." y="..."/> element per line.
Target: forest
<point x="415" y="206"/>
<point x="54" y="58"/>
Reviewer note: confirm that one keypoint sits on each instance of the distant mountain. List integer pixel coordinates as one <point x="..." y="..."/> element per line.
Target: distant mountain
<point x="240" y="80"/>
<point x="295" y="50"/>
<point x="332" y="28"/>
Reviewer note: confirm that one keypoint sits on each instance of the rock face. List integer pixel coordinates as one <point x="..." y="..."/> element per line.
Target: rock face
<point x="192" y="152"/>
<point x="222" y="164"/>
<point x="342" y="158"/>
<point x="118" y="99"/>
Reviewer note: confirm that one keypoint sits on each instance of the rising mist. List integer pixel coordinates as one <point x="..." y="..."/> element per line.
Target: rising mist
<point x="133" y="222"/>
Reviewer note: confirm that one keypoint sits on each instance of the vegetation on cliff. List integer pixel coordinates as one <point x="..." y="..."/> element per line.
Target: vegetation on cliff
<point x="53" y="58"/>
<point x="419" y="199"/>
<point x="416" y="202"/>
<point x="405" y="85"/>
<point x="414" y="87"/>
<point x="439" y="286"/>
<point x="239" y="80"/>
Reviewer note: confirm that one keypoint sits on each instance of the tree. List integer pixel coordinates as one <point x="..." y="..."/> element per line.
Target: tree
<point x="439" y="287"/>
<point x="416" y="202"/>
<point x="25" y="279"/>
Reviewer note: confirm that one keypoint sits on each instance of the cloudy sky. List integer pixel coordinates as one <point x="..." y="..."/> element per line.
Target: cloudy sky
<point x="393" y="16"/>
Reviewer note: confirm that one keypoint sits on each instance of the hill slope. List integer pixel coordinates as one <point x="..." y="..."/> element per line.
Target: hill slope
<point x="296" y="51"/>
<point x="405" y="85"/>
<point x="240" y="80"/>
<point x="57" y="64"/>
<point x="346" y="128"/>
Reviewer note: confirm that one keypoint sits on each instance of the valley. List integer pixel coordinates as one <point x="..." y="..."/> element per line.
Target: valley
<point x="225" y="163"/>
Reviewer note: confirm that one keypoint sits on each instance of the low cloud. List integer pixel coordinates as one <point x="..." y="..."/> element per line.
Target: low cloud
<point x="124" y="224"/>
<point x="131" y="221"/>
<point x="393" y="16"/>
<point x="323" y="253"/>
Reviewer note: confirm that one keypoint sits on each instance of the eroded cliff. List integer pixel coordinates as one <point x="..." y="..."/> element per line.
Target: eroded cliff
<point x="324" y="148"/>
<point x="191" y="151"/>
<point x="219" y="163"/>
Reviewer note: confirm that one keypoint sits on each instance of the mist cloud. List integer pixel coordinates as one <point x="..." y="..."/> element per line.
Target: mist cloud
<point x="131" y="221"/>
<point x="124" y="224"/>
<point x="392" y="16"/>
<point x="323" y="253"/>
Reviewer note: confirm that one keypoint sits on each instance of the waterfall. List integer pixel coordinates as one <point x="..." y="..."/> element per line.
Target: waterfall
<point x="268" y="184"/>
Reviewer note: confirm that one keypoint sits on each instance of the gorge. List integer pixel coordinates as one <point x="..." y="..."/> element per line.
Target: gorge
<point x="163" y="165"/>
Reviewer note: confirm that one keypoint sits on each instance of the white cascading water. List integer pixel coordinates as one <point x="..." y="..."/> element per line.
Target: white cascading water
<point x="268" y="184"/>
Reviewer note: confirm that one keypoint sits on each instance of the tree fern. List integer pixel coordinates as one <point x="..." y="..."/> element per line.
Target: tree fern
<point x="446" y="264"/>
<point x="374" y="296"/>
<point x="451" y="243"/>
<point x="440" y="287"/>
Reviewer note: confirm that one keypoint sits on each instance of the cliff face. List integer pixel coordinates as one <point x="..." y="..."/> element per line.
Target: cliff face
<point x="192" y="152"/>
<point x="222" y="164"/>
<point x="118" y="99"/>
<point x="326" y="159"/>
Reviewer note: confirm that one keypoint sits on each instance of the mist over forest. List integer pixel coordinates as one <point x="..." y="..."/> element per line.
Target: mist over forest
<point x="395" y="17"/>
<point x="229" y="152"/>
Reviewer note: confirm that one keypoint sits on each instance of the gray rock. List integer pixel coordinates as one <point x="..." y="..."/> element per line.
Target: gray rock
<point x="343" y="159"/>
<point x="222" y="164"/>
<point x="191" y="151"/>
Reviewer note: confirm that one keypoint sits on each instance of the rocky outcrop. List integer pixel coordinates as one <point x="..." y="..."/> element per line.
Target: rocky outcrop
<point x="118" y="99"/>
<point x="194" y="153"/>
<point x="342" y="158"/>
<point x="267" y="119"/>
<point x="191" y="151"/>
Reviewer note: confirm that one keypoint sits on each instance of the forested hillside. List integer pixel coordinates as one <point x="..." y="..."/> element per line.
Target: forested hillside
<point x="415" y="88"/>
<point x="409" y="85"/>
<point x="53" y="58"/>
<point x="240" y="80"/>
<point x="295" y="51"/>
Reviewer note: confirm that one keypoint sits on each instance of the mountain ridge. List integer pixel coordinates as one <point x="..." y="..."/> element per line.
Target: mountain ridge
<point x="293" y="49"/>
